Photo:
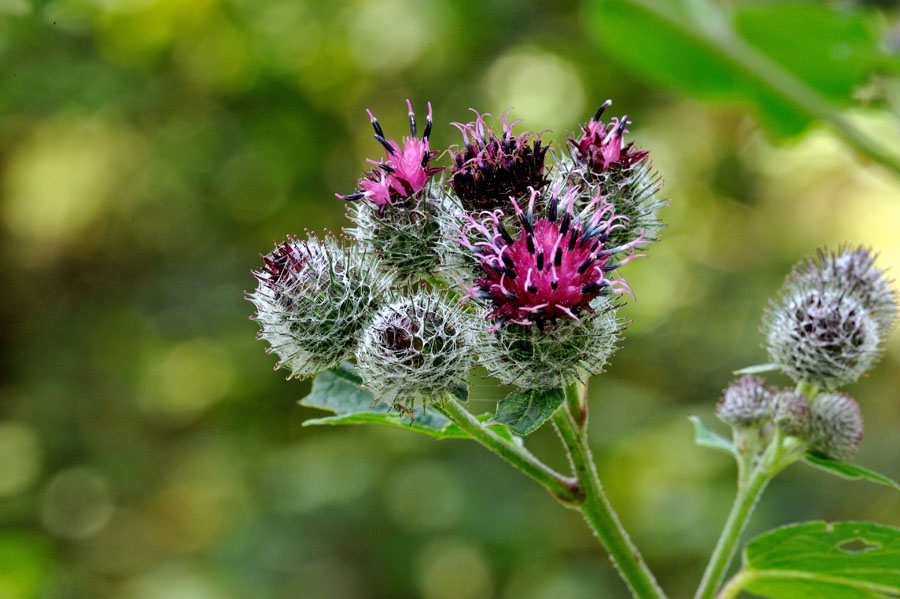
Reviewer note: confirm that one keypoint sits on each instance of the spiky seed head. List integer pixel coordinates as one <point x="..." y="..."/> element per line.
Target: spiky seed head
<point x="601" y="163"/>
<point x="556" y="266"/>
<point x="821" y="330"/>
<point x="415" y="350"/>
<point x="747" y="402"/>
<point x="491" y="168"/>
<point x="312" y="300"/>
<point x="551" y="354"/>
<point x="791" y="413"/>
<point x="837" y="426"/>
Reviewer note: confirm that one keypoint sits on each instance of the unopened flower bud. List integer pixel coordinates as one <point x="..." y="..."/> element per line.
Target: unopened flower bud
<point x="853" y="271"/>
<point x="312" y="300"/>
<point x="415" y="350"/>
<point x="824" y="334"/>
<point x="791" y="413"/>
<point x="746" y="402"/>
<point x="837" y="425"/>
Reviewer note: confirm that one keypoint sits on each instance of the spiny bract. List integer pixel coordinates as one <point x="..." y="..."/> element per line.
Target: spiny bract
<point x="416" y="349"/>
<point x="829" y="321"/>
<point x="312" y="300"/>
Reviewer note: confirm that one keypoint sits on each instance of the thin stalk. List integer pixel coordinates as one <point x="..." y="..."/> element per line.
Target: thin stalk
<point x="600" y="515"/>
<point x="564" y="488"/>
<point x="755" y="473"/>
<point x="749" y="491"/>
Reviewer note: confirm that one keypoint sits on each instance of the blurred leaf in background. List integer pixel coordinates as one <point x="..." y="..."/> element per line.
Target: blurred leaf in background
<point x="151" y="149"/>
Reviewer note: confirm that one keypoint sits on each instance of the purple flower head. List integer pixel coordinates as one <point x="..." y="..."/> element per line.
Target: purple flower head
<point x="558" y="264"/>
<point x="492" y="168"/>
<point x="602" y="146"/>
<point x="404" y="172"/>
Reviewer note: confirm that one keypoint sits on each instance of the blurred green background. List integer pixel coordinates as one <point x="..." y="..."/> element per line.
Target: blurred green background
<point x="151" y="149"/>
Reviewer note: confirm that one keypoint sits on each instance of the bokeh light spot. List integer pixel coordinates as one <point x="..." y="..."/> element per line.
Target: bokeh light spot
<point x="454" y="569"/>
<point x="186" y="380"/>
<point x="174" y="580"/>
<point x="388" y="35"/>
<point x="76" y="503"/>
<point x="62" y="179"/>
<point x="546" y="90"/>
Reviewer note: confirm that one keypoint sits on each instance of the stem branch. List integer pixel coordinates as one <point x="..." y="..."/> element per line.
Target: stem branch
<point x="564" y="488"/>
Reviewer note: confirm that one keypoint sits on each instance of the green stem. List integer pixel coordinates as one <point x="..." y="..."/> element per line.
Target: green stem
<point x="756" y="468"/>
<point x="564" y="488"/>
<point x="599" y="514"/>
<point x="793" y="90"/>
<point x="749" y="491"/>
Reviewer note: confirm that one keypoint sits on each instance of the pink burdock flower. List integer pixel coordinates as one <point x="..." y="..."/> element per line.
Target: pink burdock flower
<point x="492" y="168"/>
<point x="555" y="268"/>
<point x="600" y="162"/>
<point x="602" y="146"/>
<point x="404" y="172"/>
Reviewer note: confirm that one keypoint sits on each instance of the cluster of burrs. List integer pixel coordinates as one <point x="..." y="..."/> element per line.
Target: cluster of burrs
<point x="505" y="261"/>
<point x="825" y="329"/>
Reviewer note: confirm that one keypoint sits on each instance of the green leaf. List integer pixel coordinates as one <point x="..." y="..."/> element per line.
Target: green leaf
<point x="705" y="437"/>
<point x="847" y="470"/>
<point x="758" y="368"/>
<point x="745" y="52"/>
<point x="821" y="560"/>
<point x="337" y="390"/>
<point x="525" y="411"/>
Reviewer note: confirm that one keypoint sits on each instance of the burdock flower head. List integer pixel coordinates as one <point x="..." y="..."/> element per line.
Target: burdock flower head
<point x="546" y="290"/>
<point x="556" y="267"/>
<point x="791" y="413"/>
<point x="415" y="350"/>
<point x="404" y="172"/>
<point x="394" y="209"/>
<point x="836" y="426"/>
<point x="602" y="147"/>
<point x="747" y="402"/>
<point x="830" y="319"/>
<point x="602" y="163"/>
<point x="491" y="168"/>
<point x="312" y="301"/>
<point x="853" y="269"/>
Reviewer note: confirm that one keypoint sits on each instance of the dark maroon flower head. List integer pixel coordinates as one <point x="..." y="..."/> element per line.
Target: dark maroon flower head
<point x="491" y="168"/>
<point x="558" y="264"/>
<point x="602" y="146"/>
<point x="404" y="172"/>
